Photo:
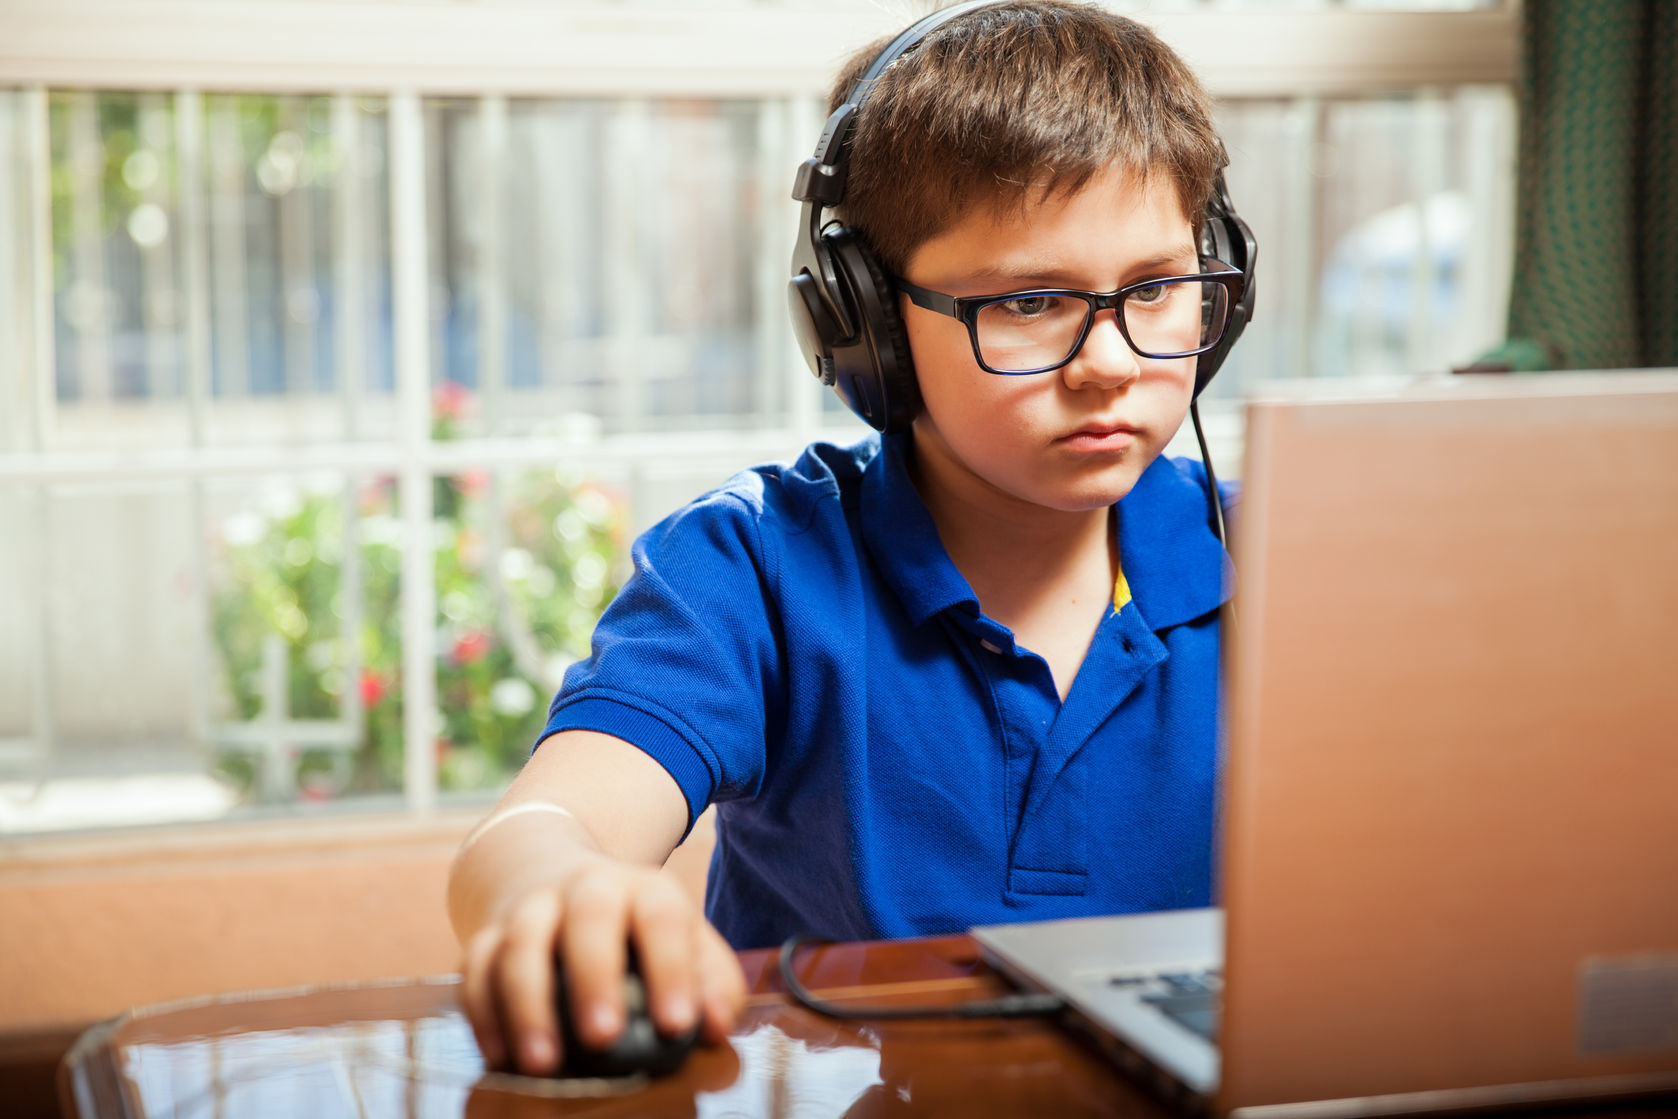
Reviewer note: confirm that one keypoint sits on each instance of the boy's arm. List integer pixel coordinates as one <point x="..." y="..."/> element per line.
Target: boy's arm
<point x="582" y="883"/>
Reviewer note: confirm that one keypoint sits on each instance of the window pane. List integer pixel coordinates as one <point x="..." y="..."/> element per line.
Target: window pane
<point x="525" y="563"/>
<point x="1381" y="232"/>
<point x="609" y="269"/>
<point x="1408" y="262"/>
<point x="17" y="297"/>
<point x="22" y="619"/>
<point x="100" y="644"/>
<point x="280" y="686"/>
<point x="297" y="251"/>
<point x="305" y="649"/>
<point x="269" y="230"/>
<point x="118" y="342"/>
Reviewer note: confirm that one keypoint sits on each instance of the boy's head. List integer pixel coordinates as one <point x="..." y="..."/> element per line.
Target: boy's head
<point x="1005" y="171"/>
<point x="1013" y="102"/>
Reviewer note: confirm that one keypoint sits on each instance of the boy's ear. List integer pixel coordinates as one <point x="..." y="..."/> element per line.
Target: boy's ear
<point x="849" y="324"/>
<point x="1225" y="238"/>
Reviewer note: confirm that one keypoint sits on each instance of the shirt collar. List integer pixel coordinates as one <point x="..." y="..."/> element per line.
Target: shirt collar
<point x="1176" y="568"/>
<point x="903" y="539"/>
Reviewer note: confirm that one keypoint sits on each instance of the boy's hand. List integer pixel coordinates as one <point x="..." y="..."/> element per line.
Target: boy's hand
<point x="588" y="920"/>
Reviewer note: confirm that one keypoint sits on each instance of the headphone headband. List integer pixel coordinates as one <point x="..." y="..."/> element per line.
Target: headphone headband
<point x="827" y="167"/>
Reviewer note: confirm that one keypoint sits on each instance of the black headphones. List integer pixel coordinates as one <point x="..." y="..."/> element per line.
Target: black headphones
<point x="844" y="306"/>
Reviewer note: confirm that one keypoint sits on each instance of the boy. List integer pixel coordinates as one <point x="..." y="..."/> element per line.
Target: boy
<point x="962" y="673"/>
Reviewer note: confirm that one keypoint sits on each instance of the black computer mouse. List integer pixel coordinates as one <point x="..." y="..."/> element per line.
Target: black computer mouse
<point x="640" y="1048"/>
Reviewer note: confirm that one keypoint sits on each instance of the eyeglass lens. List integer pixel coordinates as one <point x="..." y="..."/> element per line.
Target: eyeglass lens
<point x="1164" y="320"/>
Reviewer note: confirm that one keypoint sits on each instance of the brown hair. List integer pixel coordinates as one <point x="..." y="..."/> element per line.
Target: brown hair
<point x="1013" y="102"/>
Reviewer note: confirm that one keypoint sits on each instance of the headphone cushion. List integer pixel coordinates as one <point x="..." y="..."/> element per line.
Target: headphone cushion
<point x="1227" y="239"/>
<point x="1214" y="239"/>
<point x="880" y="367"/>
<point x="1214" y="244"/>
<point x="891" y="339"/>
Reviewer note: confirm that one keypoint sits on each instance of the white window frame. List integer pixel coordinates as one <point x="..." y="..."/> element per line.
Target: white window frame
<point x="721" y="48"/>
<point x="492" y="50"/>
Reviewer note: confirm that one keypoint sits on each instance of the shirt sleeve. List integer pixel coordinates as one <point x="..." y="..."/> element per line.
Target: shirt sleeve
<point x="685" y="663"/>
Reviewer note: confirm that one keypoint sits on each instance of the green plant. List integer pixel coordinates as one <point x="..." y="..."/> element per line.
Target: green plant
<point x="523" y="566"/>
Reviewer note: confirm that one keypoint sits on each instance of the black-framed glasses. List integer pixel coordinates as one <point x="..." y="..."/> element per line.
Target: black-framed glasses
<point x="1041" y="329"/>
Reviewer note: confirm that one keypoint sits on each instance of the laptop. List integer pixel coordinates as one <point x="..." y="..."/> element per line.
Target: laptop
<point x="1449" y="823"/>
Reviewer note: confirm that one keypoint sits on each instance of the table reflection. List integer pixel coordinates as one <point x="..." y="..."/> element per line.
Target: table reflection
<point x="430" y="1066"/>
<point x="403" y="1049"/>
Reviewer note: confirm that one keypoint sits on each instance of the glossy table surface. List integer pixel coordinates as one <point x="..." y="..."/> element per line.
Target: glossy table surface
<point x="403" y="1049"/>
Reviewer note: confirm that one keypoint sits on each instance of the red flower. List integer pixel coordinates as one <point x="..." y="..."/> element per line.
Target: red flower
<point x="372" y="688"/>
<point x="376" y="495"/>
<point x="450" y="400"/>
<point x="471" y="646"/>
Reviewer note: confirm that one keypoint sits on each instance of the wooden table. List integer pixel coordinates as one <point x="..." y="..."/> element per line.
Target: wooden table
<point x="403" y="1049"/>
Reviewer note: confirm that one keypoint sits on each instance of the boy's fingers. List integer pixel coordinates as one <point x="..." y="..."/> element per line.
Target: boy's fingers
<point x="593" y="952"/>
<point x="723" y="985"/>
<point x="477" y="999"/>
<point x="666" y="931"/>
<point x="524" y="984"/>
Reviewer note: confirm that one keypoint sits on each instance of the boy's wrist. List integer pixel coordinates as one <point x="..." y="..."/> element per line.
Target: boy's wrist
<point x="513" y="811"/>
<point x="511" y="856"/>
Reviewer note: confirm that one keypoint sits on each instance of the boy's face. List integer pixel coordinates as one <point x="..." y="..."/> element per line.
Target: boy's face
<point x="1078" y="437"/>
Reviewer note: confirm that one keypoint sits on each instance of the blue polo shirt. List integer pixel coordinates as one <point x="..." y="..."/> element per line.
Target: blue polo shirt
<point x="798" y="648"/>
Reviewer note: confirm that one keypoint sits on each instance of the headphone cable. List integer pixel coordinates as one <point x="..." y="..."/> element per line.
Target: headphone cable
<point x="1212" y="493"/>
<point x="1008" y="1006"/>
<point x="1217" y="502"/>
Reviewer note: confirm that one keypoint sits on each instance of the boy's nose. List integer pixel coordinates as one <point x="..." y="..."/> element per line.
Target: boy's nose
<point x="1106" y="359"/>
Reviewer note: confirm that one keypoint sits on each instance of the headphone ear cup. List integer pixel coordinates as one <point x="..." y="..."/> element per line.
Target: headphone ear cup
<point x="873" y="371"/>
<point x="1214" y="245"/>
<point x="1225" y="238"/>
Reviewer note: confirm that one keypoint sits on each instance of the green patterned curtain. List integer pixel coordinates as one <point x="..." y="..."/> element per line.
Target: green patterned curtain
<point x="1596" y="236"/>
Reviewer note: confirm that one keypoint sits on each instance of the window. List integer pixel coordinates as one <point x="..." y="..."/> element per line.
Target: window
<point x="348" y="346"/>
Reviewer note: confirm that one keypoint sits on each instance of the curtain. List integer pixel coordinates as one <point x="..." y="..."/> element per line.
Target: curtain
<point x="1596" y="235"/>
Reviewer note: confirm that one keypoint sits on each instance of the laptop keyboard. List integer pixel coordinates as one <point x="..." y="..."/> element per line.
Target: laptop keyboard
<point x="1191" y="999"/>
